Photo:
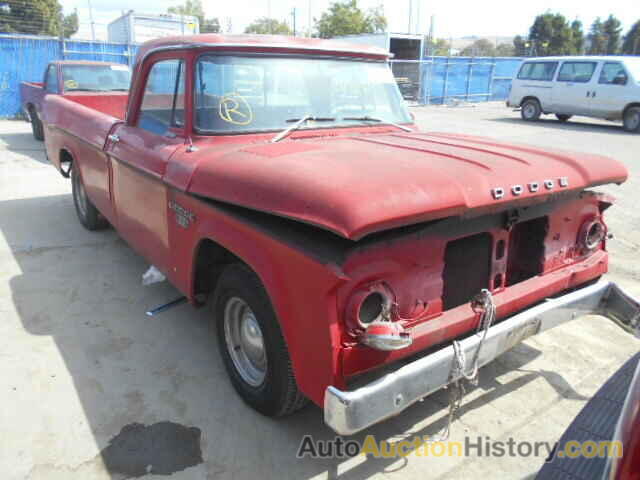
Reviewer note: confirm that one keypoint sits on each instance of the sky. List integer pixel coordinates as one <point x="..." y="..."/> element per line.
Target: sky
<point x="489" y="18"/>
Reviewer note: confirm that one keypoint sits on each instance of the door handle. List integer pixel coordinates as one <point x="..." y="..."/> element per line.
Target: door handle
<point x="588" y="94"/>
<point x="593" y="94"/>
<point x="114" y="138"/>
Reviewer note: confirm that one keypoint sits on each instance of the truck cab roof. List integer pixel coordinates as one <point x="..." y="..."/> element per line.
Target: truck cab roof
<point x="260" y="43"/>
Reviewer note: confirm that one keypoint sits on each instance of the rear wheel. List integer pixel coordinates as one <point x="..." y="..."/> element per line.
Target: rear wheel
<point x="88" y="214"/>
<point x="251" y="344"/>
<point x="631" y="120"/>
<point x="562" y="118"/>
<point x="36" y="125"/>
<point x="530" y="110"/>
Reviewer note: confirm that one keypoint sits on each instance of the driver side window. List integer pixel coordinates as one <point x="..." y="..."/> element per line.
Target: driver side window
<point x="162" y="105"/>
<point x="613" y="73"/>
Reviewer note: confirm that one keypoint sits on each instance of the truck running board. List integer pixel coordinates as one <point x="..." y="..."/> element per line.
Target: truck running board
<point x="348" y="412"/>
<point x="166" y="306"/>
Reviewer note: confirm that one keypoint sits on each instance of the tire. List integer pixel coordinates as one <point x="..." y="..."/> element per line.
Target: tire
<point x="88" y="214"/>
<point x="530" y="110"/>
<point x="36" y="125"/>
<point x="266" y="382"/>
<point x="562" y="118"/>
<point x="631" y="120"/>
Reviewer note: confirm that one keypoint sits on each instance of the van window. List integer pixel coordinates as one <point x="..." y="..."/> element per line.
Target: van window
<point x="613" y="73"/>
<point x="163" y="101"/>
<point x="537" y="71"/>
<point x="578" y="72"/>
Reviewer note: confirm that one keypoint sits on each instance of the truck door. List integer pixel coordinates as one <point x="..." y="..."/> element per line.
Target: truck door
<point x="611" y="93"/>
<point x="140" y="151"/>
<point x="573" y="87"/>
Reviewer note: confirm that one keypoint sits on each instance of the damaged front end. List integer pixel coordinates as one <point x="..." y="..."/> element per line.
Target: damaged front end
<point x="411" y="291"/>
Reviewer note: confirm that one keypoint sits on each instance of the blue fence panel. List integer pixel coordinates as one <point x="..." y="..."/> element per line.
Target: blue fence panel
<point x="23" y="59"/>
<point x="470" y="79"/>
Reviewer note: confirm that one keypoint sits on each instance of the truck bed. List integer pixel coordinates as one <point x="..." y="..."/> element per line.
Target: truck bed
<point x="86" y="116"/>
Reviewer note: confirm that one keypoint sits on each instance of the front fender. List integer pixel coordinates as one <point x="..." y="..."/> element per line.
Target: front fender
<point x="302" y="289"/>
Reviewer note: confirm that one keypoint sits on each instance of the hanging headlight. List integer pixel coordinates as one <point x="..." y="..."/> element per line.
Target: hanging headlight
<point x="369" y="316"/>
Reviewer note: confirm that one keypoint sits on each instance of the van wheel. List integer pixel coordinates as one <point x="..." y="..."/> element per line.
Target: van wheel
<point x="251" y="344"/>
<point x="36" y="125"/>
<point x="530" y="110"/>
<point x="631" y="120"/>
<point x="563" y="118"/>
<point x="88" y="214"/>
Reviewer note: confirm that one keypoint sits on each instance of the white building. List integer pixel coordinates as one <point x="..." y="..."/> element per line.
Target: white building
<point x="135" y="27"/>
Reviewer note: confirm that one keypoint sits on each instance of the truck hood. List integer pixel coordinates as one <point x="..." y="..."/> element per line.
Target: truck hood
<point x="360" y="184"/>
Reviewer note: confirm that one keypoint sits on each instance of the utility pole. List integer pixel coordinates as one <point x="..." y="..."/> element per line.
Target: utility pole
<point x="309" y="20"/>
<point x="293" y="14"/>
<point x="410" y="12"/>
<point x="93" y="28"/>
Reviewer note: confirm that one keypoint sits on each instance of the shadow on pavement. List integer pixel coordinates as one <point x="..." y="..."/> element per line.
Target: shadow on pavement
<point x="135" y="374"/>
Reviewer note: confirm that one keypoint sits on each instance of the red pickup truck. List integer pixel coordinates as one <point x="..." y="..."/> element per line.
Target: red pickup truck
<point x="281" y="182"/>
<point x="71" y="78"/>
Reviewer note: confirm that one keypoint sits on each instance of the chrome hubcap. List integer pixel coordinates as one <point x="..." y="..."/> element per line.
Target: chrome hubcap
<point x="529" y="110"/>
<point x="244" y="341"/>
<point x="81" y="195"/>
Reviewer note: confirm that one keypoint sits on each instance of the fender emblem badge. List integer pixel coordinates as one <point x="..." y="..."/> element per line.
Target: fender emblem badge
<point x="184" y="217"/>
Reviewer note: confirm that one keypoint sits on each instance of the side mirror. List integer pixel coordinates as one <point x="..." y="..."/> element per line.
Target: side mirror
<point x="413" y="116"/>
<point x="620" y="79"/>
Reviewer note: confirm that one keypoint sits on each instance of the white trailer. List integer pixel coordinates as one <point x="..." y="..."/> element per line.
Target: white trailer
<point x="135" y="27"/>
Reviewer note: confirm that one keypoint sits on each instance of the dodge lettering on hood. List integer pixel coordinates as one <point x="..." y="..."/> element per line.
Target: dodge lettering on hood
<point x="346" y="257"/>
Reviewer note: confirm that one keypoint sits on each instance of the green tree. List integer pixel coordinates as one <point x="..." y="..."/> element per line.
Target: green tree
<point x="438" y="47"/>
<point x="480" y="48"/>
<point x="36" y="17"/>
<point x="194" y="8"/>
<point x="505" y="50"/>
<point x="631" y="44"/>
<point x="612" y="30"/>
<point x="597" y="38"/>
<point x="70" y="24"/>
<point x="521" y="46"/>
<point x="346" y="18"/>
<point x="551" y="34"/>
<point x="578" y="37"/>
<point x="271" y="26"/>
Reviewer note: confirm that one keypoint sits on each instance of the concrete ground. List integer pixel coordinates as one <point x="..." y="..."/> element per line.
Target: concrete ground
<point x="82" y="364"/>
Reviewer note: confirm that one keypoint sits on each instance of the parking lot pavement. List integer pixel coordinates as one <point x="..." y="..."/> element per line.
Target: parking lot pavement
<point x="85" y="374"/>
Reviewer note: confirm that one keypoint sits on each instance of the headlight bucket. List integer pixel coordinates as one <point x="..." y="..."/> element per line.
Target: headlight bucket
<point x="592" y="234"/>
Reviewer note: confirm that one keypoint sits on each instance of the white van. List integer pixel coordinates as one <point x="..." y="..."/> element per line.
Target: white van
<point x="601" y="87"/>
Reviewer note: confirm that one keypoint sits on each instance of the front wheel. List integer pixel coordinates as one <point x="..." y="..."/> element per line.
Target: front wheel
<point x="530" y="110"/>
<point x="36" y="125"/>
<point x="562" y="118"/>
<point x="631" y="120"/>
<point x="251" y="344"/>
<point x="88" y="214"/>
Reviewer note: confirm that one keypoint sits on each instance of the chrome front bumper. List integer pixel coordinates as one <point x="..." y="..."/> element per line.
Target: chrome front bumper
<point x="348" y="412"/>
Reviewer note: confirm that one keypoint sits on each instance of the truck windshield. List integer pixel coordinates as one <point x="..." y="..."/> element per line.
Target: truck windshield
<point x="243" y="94"/>
<point x="95" y="78"/>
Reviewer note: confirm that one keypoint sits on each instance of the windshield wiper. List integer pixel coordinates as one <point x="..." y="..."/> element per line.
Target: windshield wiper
<point x="367" y="118"/>
<point x="85" y="90"/>
<point x="298" y="124"/>
<point x="117" y="90"/>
